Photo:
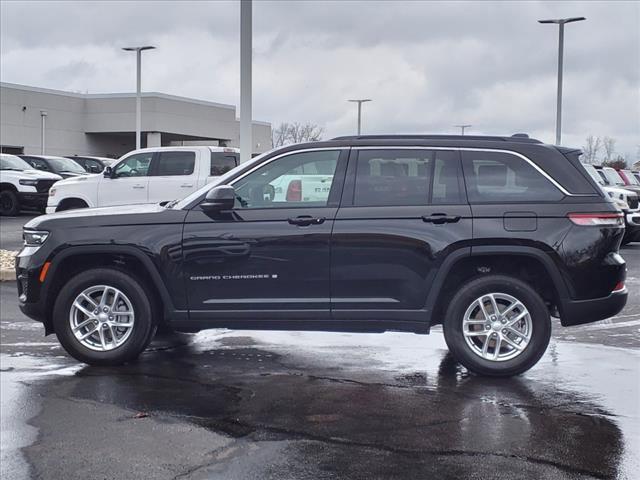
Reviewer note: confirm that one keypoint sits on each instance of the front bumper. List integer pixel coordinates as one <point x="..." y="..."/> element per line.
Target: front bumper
<point x="32" y="199"/>
<point x="578" y="312"/>
<point x="632" y="233"/>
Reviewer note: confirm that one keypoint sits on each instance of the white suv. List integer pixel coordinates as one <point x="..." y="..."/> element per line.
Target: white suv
<point x="147" y="175"/>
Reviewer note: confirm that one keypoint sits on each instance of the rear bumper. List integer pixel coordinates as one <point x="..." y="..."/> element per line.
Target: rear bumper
<point x="578" y="312"/>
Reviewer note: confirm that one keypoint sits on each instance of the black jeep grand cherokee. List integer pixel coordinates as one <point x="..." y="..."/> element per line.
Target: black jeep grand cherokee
<point x="489" y="236"/>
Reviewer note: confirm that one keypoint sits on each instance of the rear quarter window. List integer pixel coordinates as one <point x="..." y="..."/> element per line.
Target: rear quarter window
<point x="222" y="162"/>
<point x="496" y="177"/>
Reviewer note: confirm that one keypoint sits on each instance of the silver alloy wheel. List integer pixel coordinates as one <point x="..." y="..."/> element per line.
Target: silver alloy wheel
<point x="102" y="318"/>
<point x="497" y="327"/>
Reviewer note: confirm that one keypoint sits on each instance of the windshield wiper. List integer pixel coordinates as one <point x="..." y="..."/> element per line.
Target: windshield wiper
<point x="170" y="204"/>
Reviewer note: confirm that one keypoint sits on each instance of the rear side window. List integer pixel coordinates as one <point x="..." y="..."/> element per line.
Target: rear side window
<point x="222" y="162"/>
<point x="406" y="178"/>
<point x="503" y="177"/>
<point x="175" y="163"/>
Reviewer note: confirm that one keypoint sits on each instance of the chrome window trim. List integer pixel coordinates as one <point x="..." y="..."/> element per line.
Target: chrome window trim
<point x="471" y="149"/>
<point x="285" y="154"/>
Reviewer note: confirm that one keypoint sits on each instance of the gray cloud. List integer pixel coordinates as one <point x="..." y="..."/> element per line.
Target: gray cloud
<point x="428" y="65"/>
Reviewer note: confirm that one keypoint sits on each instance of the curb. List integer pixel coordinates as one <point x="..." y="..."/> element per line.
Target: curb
<point x="7" y="275"/>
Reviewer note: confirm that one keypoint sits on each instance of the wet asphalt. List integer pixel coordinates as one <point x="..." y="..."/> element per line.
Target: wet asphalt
<point x="300" y="405"/>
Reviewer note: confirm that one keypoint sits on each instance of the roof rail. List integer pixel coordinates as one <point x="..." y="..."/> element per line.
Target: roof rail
<point x="518" y="137"/>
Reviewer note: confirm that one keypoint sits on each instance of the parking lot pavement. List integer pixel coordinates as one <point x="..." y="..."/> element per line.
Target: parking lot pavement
<point x="298" y="405"/>
<point x="11" y="231"/>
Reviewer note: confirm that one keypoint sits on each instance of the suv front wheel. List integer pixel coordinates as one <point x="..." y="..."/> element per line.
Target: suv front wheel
<point x="103" y="317"/>
<point x="497" y="325"/>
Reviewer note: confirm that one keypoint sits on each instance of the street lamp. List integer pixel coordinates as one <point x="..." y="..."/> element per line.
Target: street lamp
<point x="560" y="22"/>
<point x="43" y="129"/>
<point x="360" y="102"/>
<point x="138" y="51"/>
<point x="463" y="127"/>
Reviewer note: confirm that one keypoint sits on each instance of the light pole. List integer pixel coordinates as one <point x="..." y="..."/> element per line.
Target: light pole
<point x="246" y="40"/>
<point x="138" y="51"/>
<point x="462" y="128"/>
<point x="560" y="22"/>
<point x="43" y="126"/>
<point x="360" y="102"/>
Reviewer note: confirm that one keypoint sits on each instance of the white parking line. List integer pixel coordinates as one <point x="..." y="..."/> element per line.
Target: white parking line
<point x="630" y="323"/>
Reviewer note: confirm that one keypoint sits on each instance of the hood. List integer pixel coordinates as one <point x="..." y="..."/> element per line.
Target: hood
<point x="619" y="190"/>
<point x="35" y="174"/>
<point x="142" y="214"/>
<point x="72" y="174"/>
<point x="73" y="179"/>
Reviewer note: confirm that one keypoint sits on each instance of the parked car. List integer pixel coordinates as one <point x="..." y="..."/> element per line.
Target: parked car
<point x="22" y="186"/>
<point x="629" y="178"/>
<point x="92" y="164"/>
<point x="489" y="236"/>
<point x="637" y="175"/>
<point x="59" y="165"/>
<point x="148" y="175"/>
<point x="616" y="180"/>
<point x="625" y="200"/>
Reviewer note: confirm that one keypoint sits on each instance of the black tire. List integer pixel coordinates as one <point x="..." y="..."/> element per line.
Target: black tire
<point x="144" y="327"/>
<point x="464" y="298"/>
<point x="9" y="203"/>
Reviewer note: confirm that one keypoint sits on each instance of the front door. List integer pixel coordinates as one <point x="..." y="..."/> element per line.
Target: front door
<point x="129" y="182"/>
<point x="268" y="258"/>
<point x="402" y="212"/>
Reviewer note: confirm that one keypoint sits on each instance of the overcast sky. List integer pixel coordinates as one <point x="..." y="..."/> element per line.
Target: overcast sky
<point x="426" y="65"/>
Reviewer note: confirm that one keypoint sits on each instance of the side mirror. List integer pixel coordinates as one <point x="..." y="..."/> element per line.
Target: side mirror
<point x="107" y="173"/>
<point x="222" y="197"/>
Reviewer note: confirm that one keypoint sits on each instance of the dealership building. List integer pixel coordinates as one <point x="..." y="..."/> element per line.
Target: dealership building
<point x="38" y="120"/>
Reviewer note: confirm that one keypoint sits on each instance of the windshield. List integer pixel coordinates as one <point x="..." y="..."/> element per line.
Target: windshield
<point x="60" y="164"/>
<point x="218" y="181"/>
<point x="9" y="162"/>
<point x="594" y="174"/>
<point x="613" y="176"/>
<point x="632" y="179"/>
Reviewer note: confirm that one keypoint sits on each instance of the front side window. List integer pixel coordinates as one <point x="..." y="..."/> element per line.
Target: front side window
<point x="299" y="179"/>
<point x="134" y="166"/>
<point x="502" y="177"/>
<point x="176" y="163"/>
<point x="405" y="177"/>
<point x="222" y="162"/>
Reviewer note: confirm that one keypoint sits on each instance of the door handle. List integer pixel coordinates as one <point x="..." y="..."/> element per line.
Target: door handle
<point x="440" y="218"/>
<point x="186" y="185"/>
<point x="306" y="220"/>
<point x="138" y="186"/>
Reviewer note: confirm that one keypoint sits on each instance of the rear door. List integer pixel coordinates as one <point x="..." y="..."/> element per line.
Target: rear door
<point x="402" y="212"/>
<point x="174" y="175"/>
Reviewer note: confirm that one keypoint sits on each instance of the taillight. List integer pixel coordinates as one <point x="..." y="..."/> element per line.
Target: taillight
<point x="619" y="287"/>
<point x="597" y="219"/>
<point x="294" y="191"/>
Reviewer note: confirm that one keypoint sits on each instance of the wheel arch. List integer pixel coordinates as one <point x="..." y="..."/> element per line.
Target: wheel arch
<point x="530" y="264"/>
<point x="127" y="259"/>
<point x="8" y="186"/>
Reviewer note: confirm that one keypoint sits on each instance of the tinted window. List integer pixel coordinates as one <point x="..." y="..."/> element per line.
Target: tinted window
<point x="38" y="163"/>
<point x="502" y="177"/>
<point x="299" y="179"/>
<point x="222" y="162"/>
<point x="134" y="166"/>
<point x="176" y="163"/>
<point x="403" y="177"/>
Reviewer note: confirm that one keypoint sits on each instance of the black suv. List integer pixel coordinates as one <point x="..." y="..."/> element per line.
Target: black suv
<point x="488" y="236"/>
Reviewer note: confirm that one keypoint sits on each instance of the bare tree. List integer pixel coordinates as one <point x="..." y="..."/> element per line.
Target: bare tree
<point x="590" y="150"/>
<point x="609" y="145"/>
<point x="619" y="162"/>
<point x="287" y="133"/>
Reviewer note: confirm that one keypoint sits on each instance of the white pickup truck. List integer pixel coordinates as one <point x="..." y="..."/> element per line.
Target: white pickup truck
<point x="22" y="186"/>
<point x="147" y="175"/>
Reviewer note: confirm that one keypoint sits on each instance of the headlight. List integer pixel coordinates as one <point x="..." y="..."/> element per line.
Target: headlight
<point x="31" y="183"/>
<point x="620" y="203"/>
<point x="52" y="192"/>
<point x="34" y="238"/>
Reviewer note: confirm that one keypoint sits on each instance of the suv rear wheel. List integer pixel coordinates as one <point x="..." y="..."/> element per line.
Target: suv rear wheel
<point x="103" y="317"/>
<point x="497" y="325"/>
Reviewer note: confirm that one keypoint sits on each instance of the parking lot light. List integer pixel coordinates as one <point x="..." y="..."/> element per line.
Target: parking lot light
<point x="138" y="51"/>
